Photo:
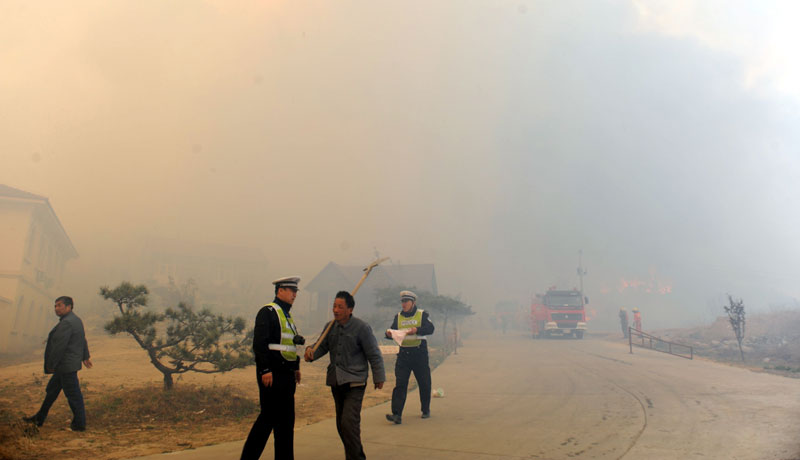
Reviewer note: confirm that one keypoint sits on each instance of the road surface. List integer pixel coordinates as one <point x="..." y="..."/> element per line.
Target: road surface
<point x="510" y="397"/>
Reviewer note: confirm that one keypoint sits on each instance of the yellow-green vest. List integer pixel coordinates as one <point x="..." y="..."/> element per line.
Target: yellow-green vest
<point x="288" y="331"/>
<point x="407" y="322"/>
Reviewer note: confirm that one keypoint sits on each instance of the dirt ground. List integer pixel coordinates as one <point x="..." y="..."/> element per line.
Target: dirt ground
<point x="121" y="368"/>
<point x="511" y="397"/>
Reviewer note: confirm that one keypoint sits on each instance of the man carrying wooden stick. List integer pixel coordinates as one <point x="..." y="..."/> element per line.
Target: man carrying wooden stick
<point x="351" y="345"/>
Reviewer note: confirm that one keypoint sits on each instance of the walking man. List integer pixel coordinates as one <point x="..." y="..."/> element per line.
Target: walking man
<point x="351" y="345"/>
<point x="275" y="341"/>
<point x="66" y="349"/>
<point x="412" y="357"/>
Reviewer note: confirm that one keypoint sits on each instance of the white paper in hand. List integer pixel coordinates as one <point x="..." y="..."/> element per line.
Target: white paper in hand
<point x="398" y="336"/>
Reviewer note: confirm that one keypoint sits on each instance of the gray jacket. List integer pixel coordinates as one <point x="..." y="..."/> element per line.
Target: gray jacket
<point x="66" y="346"/>
<point x="351" y="346"/>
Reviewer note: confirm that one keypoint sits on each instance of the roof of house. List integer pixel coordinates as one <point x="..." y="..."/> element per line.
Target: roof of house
<point x="17" y="194"/>
<point x="335" y="277"/>
<point x="12" y="192"/>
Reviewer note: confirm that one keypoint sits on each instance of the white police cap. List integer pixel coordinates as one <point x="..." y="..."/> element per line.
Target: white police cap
<point x="408" y="295"/>
<point x="287" y="282"/>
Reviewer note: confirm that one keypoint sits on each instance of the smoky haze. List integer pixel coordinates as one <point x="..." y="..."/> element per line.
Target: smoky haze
<point x="493" y="139"/>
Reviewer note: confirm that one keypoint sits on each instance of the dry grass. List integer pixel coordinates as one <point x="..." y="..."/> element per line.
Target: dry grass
<point x="120" y="419"/>
<point x="128" y="413"/>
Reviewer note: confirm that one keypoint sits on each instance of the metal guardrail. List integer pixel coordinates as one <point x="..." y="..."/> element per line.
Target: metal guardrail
<point x="657" y="344"/>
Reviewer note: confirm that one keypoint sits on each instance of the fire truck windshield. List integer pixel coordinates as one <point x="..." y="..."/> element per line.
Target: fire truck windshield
<point x="563" y="301"/>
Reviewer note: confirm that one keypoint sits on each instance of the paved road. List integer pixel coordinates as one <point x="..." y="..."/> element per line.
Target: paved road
<point x="510" y="397"/>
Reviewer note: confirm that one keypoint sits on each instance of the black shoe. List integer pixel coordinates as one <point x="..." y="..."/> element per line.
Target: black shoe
<point x="426" y="415"/>
<point x="32" y="419"/>
<point x="396" y="419"/>
<point x="78" y="429"/>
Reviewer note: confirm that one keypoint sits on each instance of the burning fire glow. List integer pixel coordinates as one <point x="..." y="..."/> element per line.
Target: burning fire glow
<point x="652" y="286"/>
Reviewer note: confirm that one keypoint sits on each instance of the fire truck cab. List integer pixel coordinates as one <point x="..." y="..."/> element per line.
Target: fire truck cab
<point x="559" y="313"/>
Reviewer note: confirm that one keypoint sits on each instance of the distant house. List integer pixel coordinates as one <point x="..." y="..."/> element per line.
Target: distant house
<point x="334" y="277"/>
<point x="34" y="249"/>
<point x="230" y="278"/>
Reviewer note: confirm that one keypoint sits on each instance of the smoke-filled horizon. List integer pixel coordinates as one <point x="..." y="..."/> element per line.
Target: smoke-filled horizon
<point x="494" y="140"/>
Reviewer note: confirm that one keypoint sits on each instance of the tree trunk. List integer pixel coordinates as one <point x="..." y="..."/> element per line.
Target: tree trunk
<point x="161" y="368"/>
<point x="741" y="353"/>
<point x="167" y="381"/>
<point x="455" y="336"/>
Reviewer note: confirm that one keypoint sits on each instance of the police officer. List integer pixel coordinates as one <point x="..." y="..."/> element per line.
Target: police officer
<point x="413" y="356"/>
<point x="275" y="341"/>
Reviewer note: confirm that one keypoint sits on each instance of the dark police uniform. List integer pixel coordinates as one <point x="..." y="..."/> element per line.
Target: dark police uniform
<point x="412" y="357"/>
<point x="623" y="322"/>
<point x="276" y="353"/>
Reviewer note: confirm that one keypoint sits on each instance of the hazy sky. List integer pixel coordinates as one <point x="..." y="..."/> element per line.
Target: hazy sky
<point x="492" y="138"/>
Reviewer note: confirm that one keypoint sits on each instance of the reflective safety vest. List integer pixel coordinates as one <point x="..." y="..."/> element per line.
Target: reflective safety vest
<point x="288" y="331"/>
<point x="407" y="322"/>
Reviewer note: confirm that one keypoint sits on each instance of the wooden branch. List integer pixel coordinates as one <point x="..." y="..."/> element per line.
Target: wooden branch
<point x="367" y="271"/>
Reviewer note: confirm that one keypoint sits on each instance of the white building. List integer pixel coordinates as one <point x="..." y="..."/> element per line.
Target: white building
<point x="34" y="249"/>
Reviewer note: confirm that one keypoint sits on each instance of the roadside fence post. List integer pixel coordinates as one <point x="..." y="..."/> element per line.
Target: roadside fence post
<point x="630" y="339"/>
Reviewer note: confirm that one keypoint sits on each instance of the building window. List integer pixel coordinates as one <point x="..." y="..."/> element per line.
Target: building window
<point x="19" y="313"/>
<point x="29" y="248"/>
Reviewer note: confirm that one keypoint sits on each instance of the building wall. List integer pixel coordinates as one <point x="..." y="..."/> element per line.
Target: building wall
<point x="15" y="223"/>
<point x="31" y="269"/>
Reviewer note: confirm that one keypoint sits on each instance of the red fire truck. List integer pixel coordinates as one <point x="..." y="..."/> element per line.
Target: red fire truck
<point x="559" y="313"/>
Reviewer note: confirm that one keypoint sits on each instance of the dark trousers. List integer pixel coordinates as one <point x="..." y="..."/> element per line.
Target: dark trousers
<point x="348" y="419"/>
<point x="67" y="381"/>
<point x="411" y="360"/>
<point x="277" y="413"/>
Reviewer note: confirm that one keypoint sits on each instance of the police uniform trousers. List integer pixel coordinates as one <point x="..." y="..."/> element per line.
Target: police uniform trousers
<point x="277" y="414"/>
<point x="411" y="359"/>
<point x="348" y="418"/>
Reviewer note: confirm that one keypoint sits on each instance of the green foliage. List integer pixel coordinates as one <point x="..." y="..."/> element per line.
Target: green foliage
<point x="126" y="295"/>
<point x="193" y="338"/>
<point x="784" y="368"/>
<point x="191" y="341"/>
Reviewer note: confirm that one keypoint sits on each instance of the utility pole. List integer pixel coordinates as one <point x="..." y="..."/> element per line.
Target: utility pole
<point x="581" y="272"/>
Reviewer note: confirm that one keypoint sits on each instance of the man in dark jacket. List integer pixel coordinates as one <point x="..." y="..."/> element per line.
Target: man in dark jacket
<point x="351" y="345"/>
<point x="66" y="349"/>
<point x="275" y="341"/>
<point x="412" y="357"/>
<point x="623" y="321"/>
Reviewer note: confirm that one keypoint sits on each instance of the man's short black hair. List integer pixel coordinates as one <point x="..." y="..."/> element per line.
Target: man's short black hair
<point x="348" y="299"/>
<point x="66" y="300"/>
